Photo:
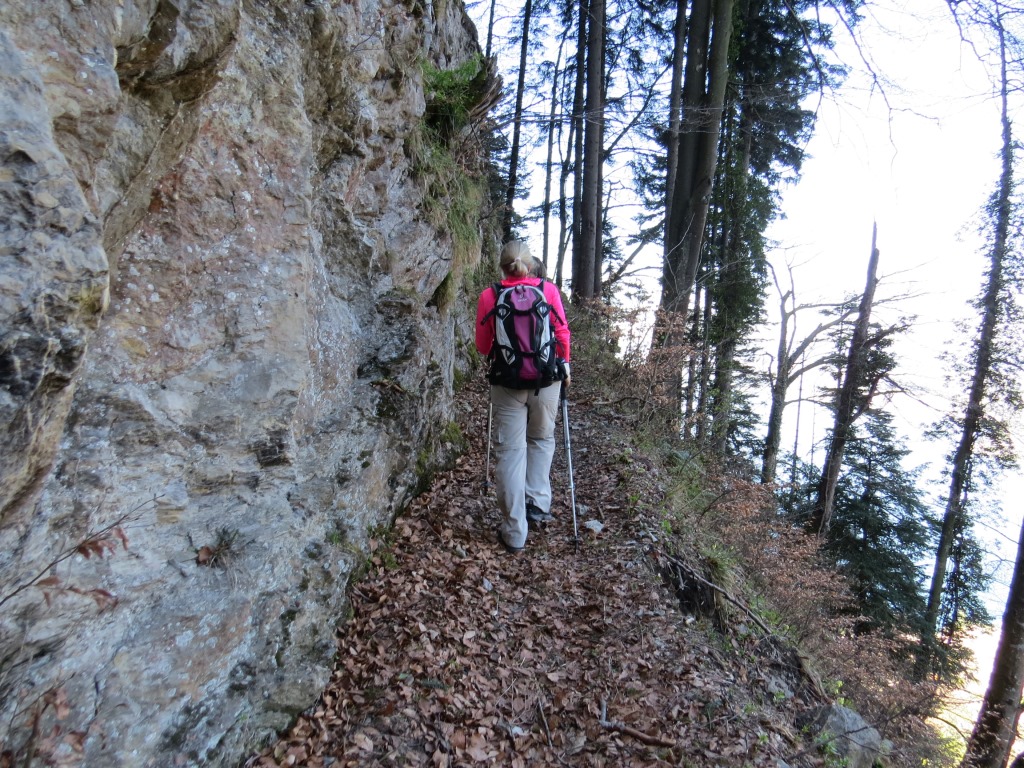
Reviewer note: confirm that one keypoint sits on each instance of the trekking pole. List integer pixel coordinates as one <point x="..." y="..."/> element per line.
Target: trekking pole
<point x="487" y="469"/>
<point x="568" y="458"/>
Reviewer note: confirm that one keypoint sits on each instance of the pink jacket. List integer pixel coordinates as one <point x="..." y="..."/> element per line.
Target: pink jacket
<point x="485" y="330"/>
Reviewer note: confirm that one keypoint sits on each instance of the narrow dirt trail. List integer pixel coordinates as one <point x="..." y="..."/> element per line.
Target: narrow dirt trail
<point x="460" y="654"/>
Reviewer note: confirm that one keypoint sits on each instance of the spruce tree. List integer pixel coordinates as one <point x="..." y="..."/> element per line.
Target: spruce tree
<point x="879" y="531"/>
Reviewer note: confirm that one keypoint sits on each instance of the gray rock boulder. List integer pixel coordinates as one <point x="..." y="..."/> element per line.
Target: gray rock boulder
<point x="223" y="365"/>
<point x="841" y="729"/>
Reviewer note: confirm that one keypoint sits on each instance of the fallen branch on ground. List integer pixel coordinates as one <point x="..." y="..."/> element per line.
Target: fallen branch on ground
<point x="723" y="592"/>
<point x="646" y="738"/>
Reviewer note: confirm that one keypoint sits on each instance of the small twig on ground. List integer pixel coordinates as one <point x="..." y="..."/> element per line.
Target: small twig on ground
<point x="432" y="527"/>
<point x="544" y="722"/>
<point x="646" y="738"/>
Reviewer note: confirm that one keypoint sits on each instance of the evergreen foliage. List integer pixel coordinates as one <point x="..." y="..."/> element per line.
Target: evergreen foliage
<point x="879" y="532"/>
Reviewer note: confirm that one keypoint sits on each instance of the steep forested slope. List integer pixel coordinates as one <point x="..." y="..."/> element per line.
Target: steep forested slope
<point x="606" y="653"/>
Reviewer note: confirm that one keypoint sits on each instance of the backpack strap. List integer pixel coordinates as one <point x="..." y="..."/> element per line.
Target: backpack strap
<point x="496" y="287"/>
<point x="553" y="313"/>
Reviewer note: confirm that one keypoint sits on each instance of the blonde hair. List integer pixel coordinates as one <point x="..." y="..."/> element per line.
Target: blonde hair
<point x="516" y="259"/>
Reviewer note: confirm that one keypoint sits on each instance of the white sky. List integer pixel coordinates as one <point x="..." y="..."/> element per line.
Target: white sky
<point x="921" y="164"/>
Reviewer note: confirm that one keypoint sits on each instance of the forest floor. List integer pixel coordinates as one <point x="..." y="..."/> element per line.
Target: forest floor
<point x="575" y="653"/>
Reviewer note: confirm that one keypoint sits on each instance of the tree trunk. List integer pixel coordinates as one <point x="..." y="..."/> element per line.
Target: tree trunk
<point x="585" y="260"/>
<point x="578" y="127"/>
<point x="996" y="728"/>
<point x="490" y="31"/>
<point x="517" y="119"/>
<point x="675" y="112"/>
<point x="773" y="440"/>
<point x="725" y="363"/>
<point x="960" y="475"/>
<point x="565" y="216"/>
<point x="796" y="432"/>
<point x="732" y="253"/>
<point x="601" y="215"/>
<point x="605" y="204"/>
<point x="704" y="377"/>
<point x="549" y="163"/>
<point x="704" y="85"/>
<point x="821" y="514"/>
<point x="691" y="367"/>
<point x="564" y="235"/>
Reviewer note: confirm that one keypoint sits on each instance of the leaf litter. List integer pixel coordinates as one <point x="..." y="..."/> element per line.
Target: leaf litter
<point x="460" y="654"/>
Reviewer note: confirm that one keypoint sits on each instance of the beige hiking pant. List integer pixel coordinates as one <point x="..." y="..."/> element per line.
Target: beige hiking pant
<point x="524" y="446"/>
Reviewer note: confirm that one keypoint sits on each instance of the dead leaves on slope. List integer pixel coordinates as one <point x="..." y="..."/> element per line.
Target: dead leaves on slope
<point x="461" y="655"/>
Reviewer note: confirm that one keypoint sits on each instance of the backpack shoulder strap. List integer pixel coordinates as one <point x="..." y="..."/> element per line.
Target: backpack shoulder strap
<point x="496" y="287"/>
<point x="554" y="312"/>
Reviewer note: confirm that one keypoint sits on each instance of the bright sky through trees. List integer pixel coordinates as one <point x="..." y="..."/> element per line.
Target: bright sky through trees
<point x="921" y="162"/>
<point x="920" y="159"/>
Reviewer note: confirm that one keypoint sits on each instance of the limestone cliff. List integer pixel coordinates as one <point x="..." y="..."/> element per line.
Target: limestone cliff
<point x="227" y="348"/>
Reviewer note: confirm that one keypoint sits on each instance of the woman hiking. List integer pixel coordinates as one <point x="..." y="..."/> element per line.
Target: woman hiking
<point x="524" y="395"/>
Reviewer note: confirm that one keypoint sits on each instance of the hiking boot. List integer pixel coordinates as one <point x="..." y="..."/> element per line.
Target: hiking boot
<point x="535" y="514"/>
<point x="508" y="547"/>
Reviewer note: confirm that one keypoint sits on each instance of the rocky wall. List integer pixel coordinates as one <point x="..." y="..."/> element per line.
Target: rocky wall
<point x="221" y="364"/>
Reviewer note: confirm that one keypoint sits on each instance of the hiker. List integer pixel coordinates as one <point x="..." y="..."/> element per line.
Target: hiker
<point x="523" y="408"/>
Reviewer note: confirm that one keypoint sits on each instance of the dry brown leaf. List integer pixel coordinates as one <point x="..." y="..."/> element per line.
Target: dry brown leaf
<point x="459" y="739"/>
<point x="362" y="742"/>
<point x="575" y="742"/>
<point x="477" y="748"/>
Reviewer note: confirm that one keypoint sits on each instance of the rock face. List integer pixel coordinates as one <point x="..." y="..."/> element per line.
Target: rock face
<point x="222" y="361"/>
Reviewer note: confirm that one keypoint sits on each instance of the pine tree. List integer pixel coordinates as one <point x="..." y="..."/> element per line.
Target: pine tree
<point x="879" y="530"/>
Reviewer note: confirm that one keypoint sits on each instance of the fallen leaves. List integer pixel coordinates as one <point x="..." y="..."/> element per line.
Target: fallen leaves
<point x="460" y="655"/>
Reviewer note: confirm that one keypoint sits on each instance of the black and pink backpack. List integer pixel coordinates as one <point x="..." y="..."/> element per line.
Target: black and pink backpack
<point x="523" y="356"/>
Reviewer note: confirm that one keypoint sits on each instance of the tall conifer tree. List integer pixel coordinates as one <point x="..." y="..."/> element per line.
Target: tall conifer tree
<point x="981" y="436"/>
